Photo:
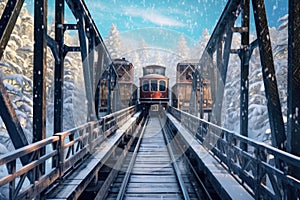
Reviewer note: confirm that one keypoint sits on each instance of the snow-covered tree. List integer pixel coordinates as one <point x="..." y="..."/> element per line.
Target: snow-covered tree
<point x="137" y="67"/>
<point x="281" y="62"/>
<point x="113" y="42"/>
<point x="197" y="51"/>
<point x="258" y="112"/>
<point x="143" y="53"/>
<point x="182" y="48"/>
<point x="16" y="72"/>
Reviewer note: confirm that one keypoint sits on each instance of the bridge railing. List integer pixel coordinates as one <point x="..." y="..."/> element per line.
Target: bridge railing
<point x="60" y="154"/>
<point x="256" y="168"/>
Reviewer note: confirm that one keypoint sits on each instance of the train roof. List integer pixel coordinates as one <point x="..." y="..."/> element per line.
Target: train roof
<point x="154" y="66"/>
<point x="158" y="76"/>
<point x="120" y="61"/>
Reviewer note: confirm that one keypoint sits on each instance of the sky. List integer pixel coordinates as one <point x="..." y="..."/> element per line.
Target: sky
<point x="141" y="18"/>
<point x="187" y="17"/>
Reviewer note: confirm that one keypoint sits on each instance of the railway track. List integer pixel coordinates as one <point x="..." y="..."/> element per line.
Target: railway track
<point x="154" y="170"/>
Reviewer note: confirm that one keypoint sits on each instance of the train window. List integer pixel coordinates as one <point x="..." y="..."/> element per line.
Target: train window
<point x="153" y="85"/>
<point x="145" y="86"/>
<point x="162" y="86"/>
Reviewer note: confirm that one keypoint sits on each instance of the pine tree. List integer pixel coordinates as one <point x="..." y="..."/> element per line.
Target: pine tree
<point x="16" y="71"/>
<point x="113" y="43"/>
<point x="200" y="46"/>
<point x="137" y="67"/>
<point x="143" y="53"/>
<point x="182" y="49"/>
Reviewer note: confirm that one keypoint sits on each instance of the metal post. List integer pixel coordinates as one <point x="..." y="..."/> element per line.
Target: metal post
<point x="39" y="74"/>
<point x="86" y="67"/>
<point x="59" y="66"/>
<point x="269" y="77"/>
<point x="219" y="84"/>
<point x="293" y="128"/>
<point x="244" y="56"/>
<point x="109" y="91"/>
<point x="39" y="70"/>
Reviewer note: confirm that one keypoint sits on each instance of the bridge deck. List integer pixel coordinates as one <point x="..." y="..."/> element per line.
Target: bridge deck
<point x="152" y="176"/>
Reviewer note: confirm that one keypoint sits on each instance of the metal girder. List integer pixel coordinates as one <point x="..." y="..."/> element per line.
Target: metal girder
<point x="245" y="57"/>
<point x="11" y="120"/>
<point x="229" y="14"/>
<point x="87" y="68"/>
<point x="88" y="30"/>
<point x="39" y="70"/>
<point x="269" y="77"/>
<point x="79" y="9"/>
<point x="220" y="42"/>
<point x="8" y="21"/>
<point x="293" y="127"/>
<point x="59" y="66"/>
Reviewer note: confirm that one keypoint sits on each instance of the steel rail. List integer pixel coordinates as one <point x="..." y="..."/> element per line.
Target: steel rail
<point x="208" y="196"/>
<point x="175" y="165"/>
<point x="131" y="164"/>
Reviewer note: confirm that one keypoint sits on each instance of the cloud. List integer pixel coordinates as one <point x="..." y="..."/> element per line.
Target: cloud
<point x="153" y="16"/>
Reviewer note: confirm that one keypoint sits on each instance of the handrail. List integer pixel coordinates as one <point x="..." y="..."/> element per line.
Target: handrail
<point x="256" y="168"/>
<point x="63" y="151"/>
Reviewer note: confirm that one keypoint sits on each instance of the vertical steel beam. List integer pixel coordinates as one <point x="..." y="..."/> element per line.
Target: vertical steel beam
<point x="91" y="59"/>
<point x="293" y="127"/>
<point x="109" y="90"/>
<point x="86" y="66"/>
<point x="244" y="56"/>
<point x="39" y="70"/>
<point x="223" y="54"/>
<point x="59" y="66"/>
<point x="39" y="74"/>
<point x="218" y="100"/>
<point x="269" y="77"/>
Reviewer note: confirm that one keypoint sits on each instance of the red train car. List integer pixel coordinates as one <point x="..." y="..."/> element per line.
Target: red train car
<point x="154" y="85"/>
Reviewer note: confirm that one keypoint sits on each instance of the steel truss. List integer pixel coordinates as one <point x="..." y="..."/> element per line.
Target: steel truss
<point x="90" y="42"/>
<point x="220" y="45"/>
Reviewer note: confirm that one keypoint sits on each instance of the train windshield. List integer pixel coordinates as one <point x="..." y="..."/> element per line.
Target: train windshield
<point x="162" y="86"/>
<point x="146" y="86"/>
<point x="153" y="85"/>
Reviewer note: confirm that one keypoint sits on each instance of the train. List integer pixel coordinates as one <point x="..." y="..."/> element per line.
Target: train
<point x="182" y="91"/>
<point x="154" y="88"/>
<point x="123" y="91"/>
<point x="154" y="85"/>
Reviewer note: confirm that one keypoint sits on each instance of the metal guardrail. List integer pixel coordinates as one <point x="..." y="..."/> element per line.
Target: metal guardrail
<point x="256" y="168"/>
<point x="63" y="152"/>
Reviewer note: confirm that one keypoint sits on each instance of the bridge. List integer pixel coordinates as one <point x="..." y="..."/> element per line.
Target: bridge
<point x="137" y="152"/>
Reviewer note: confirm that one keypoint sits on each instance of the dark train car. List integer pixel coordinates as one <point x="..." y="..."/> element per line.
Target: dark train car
<point x="125" y="71"/>
<point x="182" y="90"/>
<point x="123" y="74"/>
<point x="154" y="85"/>
<point x="101" y="96"/>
